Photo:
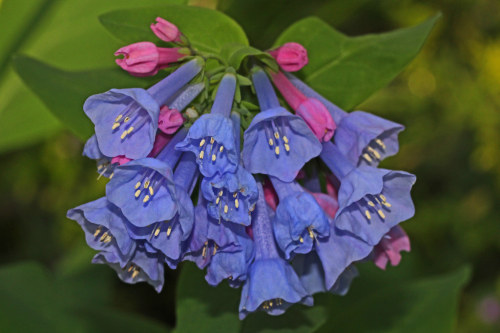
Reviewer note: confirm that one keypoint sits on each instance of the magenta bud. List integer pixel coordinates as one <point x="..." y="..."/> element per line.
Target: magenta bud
<point x="389" y="248"/>
<point x="170" y="120"/>
<point x="166" y="31"/>
<point x="120" y="160"/>
<point x="317" y="117"/>
<point x="145" y="58"/>
<point x="291" y="56"/>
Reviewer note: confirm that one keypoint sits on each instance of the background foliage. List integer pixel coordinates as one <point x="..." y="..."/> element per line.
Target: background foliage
<point x="448" y="98"/>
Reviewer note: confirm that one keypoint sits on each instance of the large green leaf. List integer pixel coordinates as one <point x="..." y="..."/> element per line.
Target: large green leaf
<point x="348" y="70"/>
<point x="63" y="33"/>
<point x="201" y="308"/>
<point x="208" y="30"/>
<point x="32" y="300"/>
<point x="65" y="92"/>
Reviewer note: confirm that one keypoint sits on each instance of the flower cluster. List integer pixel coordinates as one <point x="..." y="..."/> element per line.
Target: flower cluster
<point x="286" y="201"/>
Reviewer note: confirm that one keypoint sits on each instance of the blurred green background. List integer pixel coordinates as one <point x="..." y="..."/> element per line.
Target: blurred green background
<point x="448" y="99"/>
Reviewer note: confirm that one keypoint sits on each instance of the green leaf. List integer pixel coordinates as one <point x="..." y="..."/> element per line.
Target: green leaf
<point x="202" y="308"/>
<point x="65" y="92"/>
<point x="348" y="70"/>
<point x="66" y="34"/>
<point x="29" y="302"/>
<point x="235" y="54"/>
<point x="208" y="30"/>
<point x="427" y="305"/>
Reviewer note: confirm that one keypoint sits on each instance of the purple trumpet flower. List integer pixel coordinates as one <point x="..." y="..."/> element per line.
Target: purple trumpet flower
<point x="371" y="200"/>
<point x="272" y="285"/>
<point x="277" y="142"/>
<point x="211" y="138"/>
<point x="179" y="102"/>
<point x="126" y="120"/>
<point x="231" y="196"/>
<point x="299" y="220"/>
<point x="365" y="139"/>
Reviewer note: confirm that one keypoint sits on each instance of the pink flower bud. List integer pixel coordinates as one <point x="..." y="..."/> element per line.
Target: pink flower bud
<point x="170" y="120"/>
<point x="329" y="204"/>
<point x="317" y="117"/>
<point x="120" y="160"/>
<point x="270" y="195"/>
<point x="291" y="56"/>
<point x="389" y="248"/>
<point x="166" y="31"/>
<point x="145" y="58"/>
<point x="161" y="140"/>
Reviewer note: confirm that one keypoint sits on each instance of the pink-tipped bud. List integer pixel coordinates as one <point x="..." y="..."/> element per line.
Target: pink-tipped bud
<point x="161" y="140"/>
<point x="270" y="195"/>
<point x="170" y="120"/>
<point x="329" y="204"/>
<point x="120" y="160"/>
<point x="166" y="31"/>
<point x="317" y="117"/>
<point x="291" y="56"/>
<point x="389" y="248"/>
<point x="145" y="58"/>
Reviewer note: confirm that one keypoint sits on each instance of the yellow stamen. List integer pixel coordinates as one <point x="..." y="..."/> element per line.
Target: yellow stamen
<point x="107" y="239"/>
<point x="287" y="147"/>
<point x="381" y="213"/>
<point x="215" y="249"/>
<point x="103" y="237"/>
<point x="202" y="142"/>
<point x="277" y="150"/>
<point x="276" y="135"/>
<point x="115" y="126"/>
<point x="217" y="200"/>
<point x="271" y="142"/>
<point x="124" y="134"/>
<point x="310" y="232"/>
<point x="371" y="204"/>
<point x="213" y="157"/>
<point x="225" y="209"/>
<point x="221" y="149"/>
<point x="111" y="175"/>
<point x="236" y="203"/>
<point x="220" y="193"/>
<point x="301" y="240"/>
<point x="118" y="118"/>
<point x="204" y="252"/>
<point x="367" y="157"/>
<point x="368" y="216"/>
<point x="137" y="185"/>
<point x="385" y="203"/>
<point x="146" y="184"/>
<point x="157" y="231"/>
<point x="146" y="198"/>
<point x="202" y="153"/>
<point x="374" y="152"/>
<point x="135" y="273"/>
<point x="151" y="192"/>
<point x="130" y="129"/>
<point x="382" y="197"/>
<point x="169" y="231"/>
<point x="130" y="268"/>
<point x="285" y="139"/>
<point x="126" y="120"/>
<point x="212" y="140"/>
<point x="137" y="193"/>
<point x="98" y="231"/>
<point x="380" y="143"/>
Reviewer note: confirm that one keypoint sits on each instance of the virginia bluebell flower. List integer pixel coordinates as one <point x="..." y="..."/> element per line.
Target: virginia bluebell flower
<point x="126" y="120"/>
<point x="362" y="137"/>
<point x="299" y="220"/>
<point x="371" y="200"/>
<point x="271" y="285"/>
<point x="231" y="196"/>
<point x="211" y="137"/>
<point x="276" y="143"/>
<point x="141" y="266"/>
<point x="105" y="228"/>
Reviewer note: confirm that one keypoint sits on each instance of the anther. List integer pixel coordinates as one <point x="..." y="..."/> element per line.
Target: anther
<point x="371" y="204"/>
<point x="221" y="149"/>
<point x="126" y="120"/>
<point x="287" y="147"/>
<point x="212" y="140"/>
<point x="135" y="273"/>
<point x="381" y="213"/>
<point x="368" y="216"/>
<point x="137" y="193"/>
<point x="202" y="153"/>
<point x="374" y="152"/>
<point x="217" y="200"/>
<point x="309" y="229"/>
<point x="107" y="239"/>
<point x="98" y="231"/>
<point x="115" y="126"/>
<point x="130" y="129"/>
<point x="124" y="134"/>
<point x="380" y="143"/>
<point x="276" y="135"/>
<point x="277" y="150"/>
<point x="236" y="203"/>
<point x="220" y="193"/>
<point x="137" y="185"/>
<point x="130" y="268"/>
<point x="271" y="142"/>
<point x="367" y="157"/>
<point x="151" y="192"/>
<point x="285" y="139"/>
<point x="117" y="119"/>
<point x="202" y="142"/>
<point x="382" y="197"/>
<point x="215" y="249"/>
<point x="146" y="183"/>
<point x="146" y="198"/>
<point x="225" y="209"/>
<point x="157" y="231"/>
<point x="301" y="240"/>
<point x="213" y="157"/>
<point x="204" y="252"/>
<point x="169" y="231"/>
<point x="104" y="235"/>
